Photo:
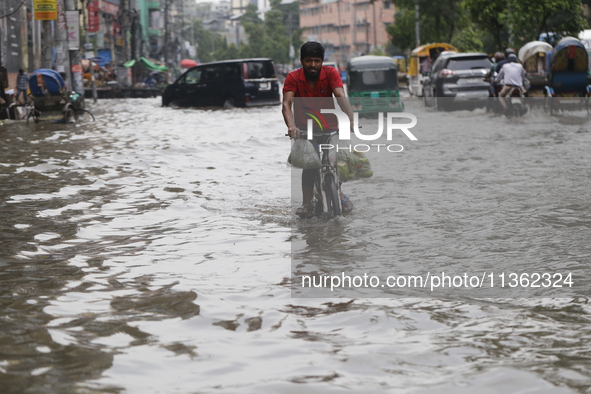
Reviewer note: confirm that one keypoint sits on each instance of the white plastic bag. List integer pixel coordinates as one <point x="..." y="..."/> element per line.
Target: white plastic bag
<point x="304" y="155"/>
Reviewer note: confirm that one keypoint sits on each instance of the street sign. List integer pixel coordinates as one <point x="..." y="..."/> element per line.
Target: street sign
<point x="93" y="16"/>
<point x="73" y="28"/>
<point x="45" y="10"/>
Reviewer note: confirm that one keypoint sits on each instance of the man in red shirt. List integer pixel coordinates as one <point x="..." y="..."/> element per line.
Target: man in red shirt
<point x="313" y="80"/>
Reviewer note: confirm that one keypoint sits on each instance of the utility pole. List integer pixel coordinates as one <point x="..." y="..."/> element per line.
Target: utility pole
<point x="47" y="41"/>
<point x="354" y="30"/>
<point x="340" y="35"/>
<point x="375" y="32"/>
<point x="74" y="74"/>
<point x="88" y="47"/>
<point x="62" y="58"/>
<point x="166" y="32"/>
<point x="417" y="29"/>
<point x="124" y="22"/>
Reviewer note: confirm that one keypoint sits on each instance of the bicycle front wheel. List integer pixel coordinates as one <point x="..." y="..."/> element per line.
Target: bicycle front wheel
<point x="333" y="201"/>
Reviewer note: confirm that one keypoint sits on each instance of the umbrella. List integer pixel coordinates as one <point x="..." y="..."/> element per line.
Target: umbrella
<point x="188" y="63"/>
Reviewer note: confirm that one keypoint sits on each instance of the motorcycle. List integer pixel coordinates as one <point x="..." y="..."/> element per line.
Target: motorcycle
<point x="515" y="103"/>
<point x="515" y="100"/>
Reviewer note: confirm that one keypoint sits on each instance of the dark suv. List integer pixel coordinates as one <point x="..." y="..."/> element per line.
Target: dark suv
<point x="457" y="78"/>
<point x="240" y="83"/>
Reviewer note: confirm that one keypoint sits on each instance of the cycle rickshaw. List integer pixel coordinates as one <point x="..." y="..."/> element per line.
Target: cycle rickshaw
<point x="568" y="81"/>
<point x="51" y="99"/>
<point x="533" y="57"/>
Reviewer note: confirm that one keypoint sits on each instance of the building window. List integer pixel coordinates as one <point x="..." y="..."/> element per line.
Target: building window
<point x="155" y="19"/>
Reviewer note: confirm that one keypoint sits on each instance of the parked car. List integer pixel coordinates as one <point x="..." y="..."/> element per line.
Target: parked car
<point x="240" y="83"/>
<point x="457" y="78"/>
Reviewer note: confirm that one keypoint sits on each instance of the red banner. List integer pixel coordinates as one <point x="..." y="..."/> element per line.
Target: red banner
<point x="116" y="29"/>
<point x="93" y="16"/>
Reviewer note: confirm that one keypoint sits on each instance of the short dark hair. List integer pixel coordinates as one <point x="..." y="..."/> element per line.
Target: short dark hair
<point x="312" y="49"/>
<point x="20" y="70"/>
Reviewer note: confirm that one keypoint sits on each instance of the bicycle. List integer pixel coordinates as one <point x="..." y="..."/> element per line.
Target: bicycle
<point x="326" y="185"/>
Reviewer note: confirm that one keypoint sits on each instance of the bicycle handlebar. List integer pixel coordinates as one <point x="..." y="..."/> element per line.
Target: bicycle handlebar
<point x="305" y="133"/>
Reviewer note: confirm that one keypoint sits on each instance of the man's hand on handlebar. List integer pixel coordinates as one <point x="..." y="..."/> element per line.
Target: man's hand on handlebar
<point x="294" y="132"/>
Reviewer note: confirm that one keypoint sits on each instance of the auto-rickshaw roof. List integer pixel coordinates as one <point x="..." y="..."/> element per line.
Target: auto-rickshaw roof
<point x="423" y="50"/>
<point x="371" y="63"/>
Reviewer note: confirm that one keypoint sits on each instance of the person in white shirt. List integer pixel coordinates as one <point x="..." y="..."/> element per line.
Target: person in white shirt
<point x="512" y="74"/>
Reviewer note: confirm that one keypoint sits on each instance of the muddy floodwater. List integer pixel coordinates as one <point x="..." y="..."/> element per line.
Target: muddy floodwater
<point x="156" y="251"/>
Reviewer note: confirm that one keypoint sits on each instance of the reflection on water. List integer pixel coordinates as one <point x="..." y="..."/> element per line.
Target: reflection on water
<point x="150" y="252"/>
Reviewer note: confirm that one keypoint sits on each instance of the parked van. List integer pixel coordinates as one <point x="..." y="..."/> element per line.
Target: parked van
<point x="229" y="83"/>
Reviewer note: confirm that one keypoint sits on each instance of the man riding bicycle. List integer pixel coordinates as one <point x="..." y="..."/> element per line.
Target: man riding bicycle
<point x="313" y="80"/>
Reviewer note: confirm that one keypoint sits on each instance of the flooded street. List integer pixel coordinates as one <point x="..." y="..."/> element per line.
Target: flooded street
<point x="152" y="251"/>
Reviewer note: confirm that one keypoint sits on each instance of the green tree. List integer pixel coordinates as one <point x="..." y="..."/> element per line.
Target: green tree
<point x="276" y="44"/>
<point x="468" y="40"/>
<point x="268" y="38"/>
<point x="527" y="19"/>
<point x="402" y="31"/>
<point x="207" y="42"/>
<point x="439" y="21"/>
<point x="491" y="16"/>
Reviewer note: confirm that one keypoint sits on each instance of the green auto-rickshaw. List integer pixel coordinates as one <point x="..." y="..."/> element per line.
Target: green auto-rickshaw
<point x="372" y="85"/>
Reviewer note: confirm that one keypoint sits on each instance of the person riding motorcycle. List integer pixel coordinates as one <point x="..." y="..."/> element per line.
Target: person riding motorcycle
<point x="512" y="75"/>
<point x="490" y="78"/>
<point x="501" y="63"/>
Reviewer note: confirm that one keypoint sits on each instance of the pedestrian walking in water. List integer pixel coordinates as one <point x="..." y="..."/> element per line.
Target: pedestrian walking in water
<point x="22" y="85"/>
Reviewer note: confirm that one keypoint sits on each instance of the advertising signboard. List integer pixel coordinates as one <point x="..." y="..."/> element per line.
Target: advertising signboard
<point x="93" y="16"/>
<point x="45" y="10"/>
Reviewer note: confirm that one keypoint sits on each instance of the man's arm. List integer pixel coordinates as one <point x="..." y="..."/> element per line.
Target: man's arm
<point x="339" y="93"/>
<point x="287" y="112"/>
<point x="500" y="76"/>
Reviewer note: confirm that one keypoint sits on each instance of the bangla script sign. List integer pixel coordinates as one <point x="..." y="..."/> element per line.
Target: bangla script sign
<point x="93" y="16"/>
<point x="45" y="10"/>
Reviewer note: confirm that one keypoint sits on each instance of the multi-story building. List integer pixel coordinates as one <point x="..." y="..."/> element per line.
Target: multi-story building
<point x="152" y="22"/>
<point x="238" y="7"/>
<point x="347" y="28"/>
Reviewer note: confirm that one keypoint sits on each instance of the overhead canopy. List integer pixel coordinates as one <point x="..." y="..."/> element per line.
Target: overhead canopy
<point x="533" y="48"/>
<point x="432" y="50"/>
<point x="44" y="82"/>
<point x="569" y="54"/>
<point x="425" y="50"/>
<point x="371" y="63"/>
<point x="146" y="63"/>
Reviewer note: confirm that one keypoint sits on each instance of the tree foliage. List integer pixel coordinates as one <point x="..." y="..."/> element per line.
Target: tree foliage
<point x="207" y="42"/>
<point x="470" y="23"/>
<point x="491" y="16"/>
<point x="268" y="38"/>
<point x="529" y="18"/>
<point x="438" y="20"/>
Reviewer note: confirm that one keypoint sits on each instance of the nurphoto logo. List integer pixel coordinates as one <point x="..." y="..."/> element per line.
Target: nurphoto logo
<point x="344" y="126"/>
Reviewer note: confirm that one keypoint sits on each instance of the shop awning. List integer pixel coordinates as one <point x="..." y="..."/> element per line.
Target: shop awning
<point x="146" y="63"/>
